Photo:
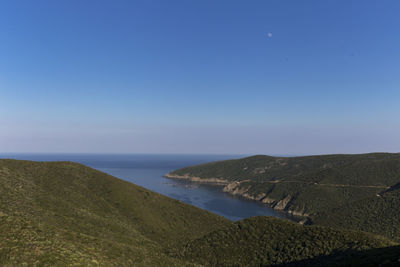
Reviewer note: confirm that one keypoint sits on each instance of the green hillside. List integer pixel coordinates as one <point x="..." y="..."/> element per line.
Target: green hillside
<point x="379" y="169"/>
<point x="65" y="213"/>
<point x="267" y="241"/>
<point x="379" y="214"/>
<point x="388" y="256"/>
<point x="301" y="185"/>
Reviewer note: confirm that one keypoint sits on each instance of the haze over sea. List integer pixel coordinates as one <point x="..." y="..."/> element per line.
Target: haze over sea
<point x="147" y="170"/>
<point x="203" y="77"/>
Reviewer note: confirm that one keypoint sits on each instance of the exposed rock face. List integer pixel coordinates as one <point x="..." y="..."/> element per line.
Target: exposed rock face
<point x="235" y="189"/>
<point x="186" y="176"/>
<point x="260" y="197"/>
<point x="281" y="205"/>
<point x="231" y="187"/>
<point x="268" y="200"/>
<point x="239" y="189"/>
<point x="298" y="212"/>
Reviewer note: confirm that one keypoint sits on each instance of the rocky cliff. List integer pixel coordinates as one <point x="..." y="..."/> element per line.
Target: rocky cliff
<point x="240" y="188"/>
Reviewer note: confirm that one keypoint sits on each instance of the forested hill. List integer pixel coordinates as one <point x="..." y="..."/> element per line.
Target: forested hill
<point x="348" y="191"/>
<point x="262" y="241"/>
<point x="378" y="214"/>
<point x="64" y="213"/>
<point x="67" y="214"/>
<point x="375" y="169"/>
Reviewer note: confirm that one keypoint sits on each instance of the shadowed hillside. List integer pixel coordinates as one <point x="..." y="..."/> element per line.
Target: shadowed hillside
<point x="378" y="214"/>
<point x="267" y="241"/>
<point x="388" y="256"/>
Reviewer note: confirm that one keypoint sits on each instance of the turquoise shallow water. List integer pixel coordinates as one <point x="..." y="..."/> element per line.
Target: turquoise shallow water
<point x="148" y="170"/>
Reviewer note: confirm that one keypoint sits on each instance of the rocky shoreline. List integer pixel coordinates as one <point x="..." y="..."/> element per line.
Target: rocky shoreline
<point x="215" y="181"/>
<point x="234" y="188"/>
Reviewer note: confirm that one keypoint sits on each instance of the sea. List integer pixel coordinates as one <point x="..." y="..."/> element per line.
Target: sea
<point x="148" y="171"/>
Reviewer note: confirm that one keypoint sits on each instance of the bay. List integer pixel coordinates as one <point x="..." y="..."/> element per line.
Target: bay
<point x="148" y="170"/>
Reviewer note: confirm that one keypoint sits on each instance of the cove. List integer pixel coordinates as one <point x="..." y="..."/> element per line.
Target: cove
<point x="148" y="170"/>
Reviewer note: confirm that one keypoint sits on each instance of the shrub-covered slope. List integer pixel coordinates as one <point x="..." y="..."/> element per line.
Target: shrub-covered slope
<point x="301" y="185"/>
<point x="362" y="169"/>
<point x="66" y="214"/>
<point x="378" y="214"/>
<point x="63" y="213"/>
<point x="388" y="256"/>
<point x="267" y="241"/>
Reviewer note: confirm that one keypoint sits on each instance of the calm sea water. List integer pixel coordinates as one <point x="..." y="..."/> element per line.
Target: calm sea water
<point x="148" y="171"/>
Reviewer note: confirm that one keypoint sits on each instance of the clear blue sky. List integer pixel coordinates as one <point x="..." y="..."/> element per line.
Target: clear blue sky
<point x="270" y="76"/>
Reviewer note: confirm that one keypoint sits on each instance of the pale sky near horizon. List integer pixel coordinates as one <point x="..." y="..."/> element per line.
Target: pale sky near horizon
<point x="225" y="77"/>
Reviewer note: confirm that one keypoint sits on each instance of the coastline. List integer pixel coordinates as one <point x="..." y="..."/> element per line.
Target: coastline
<point x="215" y="181"/>
<point x="233" y="188"/>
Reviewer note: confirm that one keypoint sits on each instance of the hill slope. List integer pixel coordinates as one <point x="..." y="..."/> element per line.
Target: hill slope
<point x="379" y="214"/>
<point x="301" y="185"/>
<point x="65" y="213"/>
<point x="388" y="256"/>
<point x="267" y="241"/>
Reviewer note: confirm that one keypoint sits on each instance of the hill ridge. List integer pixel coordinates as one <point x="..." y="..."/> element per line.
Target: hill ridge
<point x="64" y="213"/>
<point x="303" y="186"/>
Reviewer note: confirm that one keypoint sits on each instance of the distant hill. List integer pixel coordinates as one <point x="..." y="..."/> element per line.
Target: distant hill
<point x="64" y="213"/>
<point x="328" y="189"/>
<point x="301" y="185"/>
<point x="267" y="241"/>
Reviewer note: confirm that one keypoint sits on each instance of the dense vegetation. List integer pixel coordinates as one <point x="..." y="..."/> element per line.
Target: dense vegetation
<point x="362" y="169"/>
<point x="388" y="256"/>
<point x="343" y="186"/>
<point x="264" y="241"/>
<point x="379" y="214"/>
<point x="63" y="213"/>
